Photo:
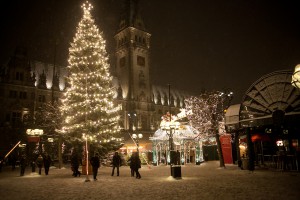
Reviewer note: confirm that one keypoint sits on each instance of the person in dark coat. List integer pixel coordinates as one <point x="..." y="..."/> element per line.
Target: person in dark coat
<point x="39" y="162"/>
<point x="23" y="164"/>
<point x="95" y="162"/>
<point x="130" y="160"/>
<point x="75" y="164"/>
<point x="47" y="163"/>
<point x="136" y="164"/>
<point x="1" y="163"/>
<point x="13" y="161"/>
<point x="116" y="163"/>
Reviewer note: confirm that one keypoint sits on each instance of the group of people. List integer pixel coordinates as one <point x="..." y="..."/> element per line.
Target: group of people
<point x="75" y="162"/>
<point x="43" y="161"/>
<point x="135" y="164"/>
<point x="40" y="162"/>
<point x="134" y="160"/>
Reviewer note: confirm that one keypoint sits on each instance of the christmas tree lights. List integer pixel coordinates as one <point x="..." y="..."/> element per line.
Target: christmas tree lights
<point x="88" y="106"/>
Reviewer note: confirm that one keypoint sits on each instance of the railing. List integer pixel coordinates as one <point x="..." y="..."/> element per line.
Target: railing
<point x="280" y="162"/>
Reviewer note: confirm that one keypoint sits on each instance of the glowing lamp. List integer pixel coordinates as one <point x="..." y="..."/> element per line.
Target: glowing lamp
<point x="296" y="77"/>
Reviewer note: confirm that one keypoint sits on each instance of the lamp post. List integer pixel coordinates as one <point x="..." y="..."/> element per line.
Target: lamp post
<point x="136" y="138"/>
<point x="170" y="127"/>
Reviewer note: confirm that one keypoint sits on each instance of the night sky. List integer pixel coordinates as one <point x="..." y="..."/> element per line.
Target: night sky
<point x="195" y="44"/>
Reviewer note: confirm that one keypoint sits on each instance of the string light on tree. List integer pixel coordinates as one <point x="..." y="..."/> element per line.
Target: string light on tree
<point x="88" y="103"/>
<point x="206" y="114"/>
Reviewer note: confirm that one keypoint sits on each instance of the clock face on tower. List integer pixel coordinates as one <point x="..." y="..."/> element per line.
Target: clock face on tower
<point x="140" y="61"/>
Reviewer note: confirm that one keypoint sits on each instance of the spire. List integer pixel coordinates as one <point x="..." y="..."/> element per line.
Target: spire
<point x="131" y="16"/>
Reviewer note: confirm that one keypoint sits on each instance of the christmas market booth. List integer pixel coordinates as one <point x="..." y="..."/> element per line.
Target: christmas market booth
<point x="266" y="125"/>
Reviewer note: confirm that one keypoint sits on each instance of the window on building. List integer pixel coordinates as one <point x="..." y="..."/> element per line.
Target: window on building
<point x="23" y="95"/>
<point x="7" y="118"/>
<point x="55" y="99"/>
<point x="141" y="61"/>
<point x="13" y="94"/>
<point x="19" y="76"/>
<point x="42" y="98"/>
<point x="16" y="118"/>
<point x="122" y="61"/>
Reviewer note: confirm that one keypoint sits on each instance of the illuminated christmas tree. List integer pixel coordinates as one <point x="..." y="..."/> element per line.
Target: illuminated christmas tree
<point x="88" y="107"/>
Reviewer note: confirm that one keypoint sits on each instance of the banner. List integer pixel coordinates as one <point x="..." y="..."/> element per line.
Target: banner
<point x="33" y="139"/>
<point x="226" y="148"/>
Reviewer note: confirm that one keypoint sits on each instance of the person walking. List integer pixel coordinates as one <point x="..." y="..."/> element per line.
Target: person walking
<point x="136" y="164"/>
<point x="95" y="162"/>
<point x="23" y="164"/>
<point x="116" y="163"/>
<point x="39" y="162"/>
<point x="33" y="165"/>
<point x="75" y="164"/>
<point x="1" y="163"/>
<point x="13" y="161"/>
<point x="130" y="160"/>
<point x="47" y="163"/>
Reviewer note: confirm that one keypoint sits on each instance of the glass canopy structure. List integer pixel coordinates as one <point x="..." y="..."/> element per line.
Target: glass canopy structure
<point x="186" y="143"/>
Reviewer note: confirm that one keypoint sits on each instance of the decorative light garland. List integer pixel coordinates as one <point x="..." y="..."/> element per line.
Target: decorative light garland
<point x="88" y="102"/>
<point x="205" y="111"/>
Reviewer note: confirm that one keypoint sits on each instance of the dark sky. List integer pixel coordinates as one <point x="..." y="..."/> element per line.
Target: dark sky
<point x="195" y="44"/>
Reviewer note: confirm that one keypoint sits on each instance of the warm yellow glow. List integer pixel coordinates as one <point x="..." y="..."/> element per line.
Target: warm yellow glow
<point x="88" y="101"/>
<point x="279" y="143"/>
<point x="34" y="132"/>
<point x="296" y="77"/>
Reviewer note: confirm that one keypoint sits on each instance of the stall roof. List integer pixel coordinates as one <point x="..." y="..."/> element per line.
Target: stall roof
<point x="233" y="110"/>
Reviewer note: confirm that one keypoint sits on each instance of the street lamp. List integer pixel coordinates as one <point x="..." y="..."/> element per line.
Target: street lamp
<point x="136" y="138"/>
<point x="170" y="127"/>
<point x="296" y="77"/>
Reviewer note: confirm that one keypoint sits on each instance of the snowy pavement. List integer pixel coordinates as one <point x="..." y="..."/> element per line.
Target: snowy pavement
<point x="206" y="181"/>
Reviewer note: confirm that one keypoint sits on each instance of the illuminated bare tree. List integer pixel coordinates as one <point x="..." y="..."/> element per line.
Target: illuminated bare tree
<point x="205" y="112"/>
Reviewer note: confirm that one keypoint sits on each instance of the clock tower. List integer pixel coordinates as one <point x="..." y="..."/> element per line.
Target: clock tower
<point x="132" y="68"/>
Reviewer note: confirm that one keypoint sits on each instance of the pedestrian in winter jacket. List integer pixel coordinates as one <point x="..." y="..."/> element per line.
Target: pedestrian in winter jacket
<point x="75" y="164"/>
<point x="23" y="164"/>
<point x="130" y="160"/>
<point x="47" y="163"/>
<point x="116" y="163"/>
<point x="95" y="162"/>
<point x="39" y="162"/>
<point x="136" y="164"/>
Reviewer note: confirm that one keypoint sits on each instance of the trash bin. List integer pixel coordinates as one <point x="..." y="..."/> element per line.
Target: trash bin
<point x="245" y="163"/>
<point x="176" y="171"/>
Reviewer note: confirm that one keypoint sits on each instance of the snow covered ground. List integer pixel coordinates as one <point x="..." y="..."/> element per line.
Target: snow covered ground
<point x="206" y="181"/>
